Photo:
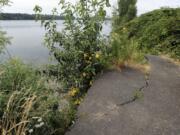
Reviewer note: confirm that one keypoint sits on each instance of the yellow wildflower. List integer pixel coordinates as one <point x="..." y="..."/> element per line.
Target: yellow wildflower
<point x="97" y="55"/>
<point x="77" y="102"/>
<point x="73" y="92"/>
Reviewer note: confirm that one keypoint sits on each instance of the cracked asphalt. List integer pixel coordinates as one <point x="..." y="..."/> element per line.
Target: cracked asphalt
<point x="157" y="113"/>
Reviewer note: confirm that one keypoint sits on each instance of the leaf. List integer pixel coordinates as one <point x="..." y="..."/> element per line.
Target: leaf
<point x="37" y="9"/>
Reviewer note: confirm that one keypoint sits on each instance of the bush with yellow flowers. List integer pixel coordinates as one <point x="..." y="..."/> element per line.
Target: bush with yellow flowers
<point x="80" y="49"/>
<point x="75" y="96"/>
<point x="73" y="92"/>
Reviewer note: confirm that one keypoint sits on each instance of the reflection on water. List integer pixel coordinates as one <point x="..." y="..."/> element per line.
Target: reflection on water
<point x="27" y="40"/>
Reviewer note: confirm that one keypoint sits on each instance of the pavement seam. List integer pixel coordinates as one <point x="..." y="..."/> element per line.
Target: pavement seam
<point x="140" y="90"/>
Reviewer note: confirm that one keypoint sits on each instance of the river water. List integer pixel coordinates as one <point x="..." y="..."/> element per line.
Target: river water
<point x="27" y="40"/>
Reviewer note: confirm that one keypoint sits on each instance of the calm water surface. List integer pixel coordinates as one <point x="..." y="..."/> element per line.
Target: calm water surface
<point x="27" y="40"/>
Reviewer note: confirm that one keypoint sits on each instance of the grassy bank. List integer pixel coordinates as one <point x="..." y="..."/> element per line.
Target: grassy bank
<point x="30" y="103"/>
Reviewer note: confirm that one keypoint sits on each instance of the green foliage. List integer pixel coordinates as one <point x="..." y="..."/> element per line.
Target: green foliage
<point x="80" y="48"/>
<point x="17" y="75"/>
<point x="155" y="32"/>
<point x="125" y="51"/>
<point x="4" y="2"/>
<point x="52" y="120"/>
<point x="125" y="12"/>
<point x="28" y="105"/>
<point x="18" y="84"/>
<point x="4" y="40"/>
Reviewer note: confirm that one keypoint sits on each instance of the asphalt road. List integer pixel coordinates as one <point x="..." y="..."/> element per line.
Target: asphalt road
<point x="110" y="107"/>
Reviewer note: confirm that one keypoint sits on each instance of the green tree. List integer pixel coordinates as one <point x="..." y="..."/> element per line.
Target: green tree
<point x="125" y="12"/>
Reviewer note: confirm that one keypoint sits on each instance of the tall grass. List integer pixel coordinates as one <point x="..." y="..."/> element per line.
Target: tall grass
<point x="125" y="52"/>
<point x="16" y="116"/>
<point x="29" y="104"/>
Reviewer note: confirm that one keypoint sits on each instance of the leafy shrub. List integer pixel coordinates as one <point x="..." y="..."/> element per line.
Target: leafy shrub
<point x="156" y="32"/>
<point x="80" y="48"/>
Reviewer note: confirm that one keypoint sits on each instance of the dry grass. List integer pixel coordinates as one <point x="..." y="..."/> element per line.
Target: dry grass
<point x="167" y="57"/>
<point x="145" y="67"/>
<point x="15" y="118"/>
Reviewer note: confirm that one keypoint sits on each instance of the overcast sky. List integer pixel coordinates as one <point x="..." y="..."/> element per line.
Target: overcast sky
<point x="26" y="6"/>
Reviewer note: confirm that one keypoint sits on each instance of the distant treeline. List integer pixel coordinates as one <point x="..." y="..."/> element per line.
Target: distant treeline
<point x="19" y="16"/>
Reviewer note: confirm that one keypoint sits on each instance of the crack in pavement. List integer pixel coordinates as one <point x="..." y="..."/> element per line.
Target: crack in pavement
<point x="116" y="106"/>
<point x="141" y="89"/>
<point x="157" y="113"/>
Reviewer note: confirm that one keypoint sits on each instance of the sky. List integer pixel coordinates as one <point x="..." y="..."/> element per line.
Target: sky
<point x="26" y="6"/>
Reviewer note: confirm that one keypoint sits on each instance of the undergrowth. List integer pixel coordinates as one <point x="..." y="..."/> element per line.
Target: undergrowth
<point x="28" y="106"/>
<point x="156" y="32"/>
